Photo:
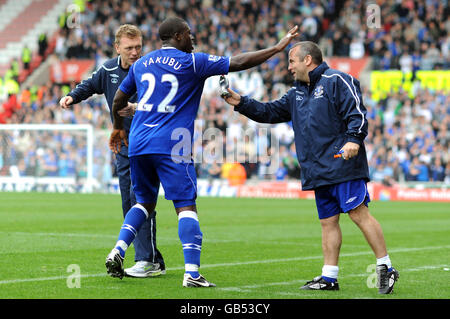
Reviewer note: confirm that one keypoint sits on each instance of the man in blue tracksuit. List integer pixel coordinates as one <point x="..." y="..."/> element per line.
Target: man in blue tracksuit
<point x="106" y="80"/>
<point x="330" y="125"/>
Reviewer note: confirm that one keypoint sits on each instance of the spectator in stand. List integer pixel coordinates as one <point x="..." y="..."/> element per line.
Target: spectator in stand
<point x="447" y="173"/>
<point x="8" y="108"/>
<point x="50" y="163"/>
<point x="437" y="170"/>
<point x="2" y="114"/>
<point x="42" y="44"/>
<point x="406" y="62"/>
<point x="387" y="61"/>
<point x="214" y="170"/>
<point x="26" y="57"/>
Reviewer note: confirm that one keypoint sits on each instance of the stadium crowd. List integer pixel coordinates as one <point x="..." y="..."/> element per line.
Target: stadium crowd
<point x="408" y="137"/>
<point x="407" y="35"/>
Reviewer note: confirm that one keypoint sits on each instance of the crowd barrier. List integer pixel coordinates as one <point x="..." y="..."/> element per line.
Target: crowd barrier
<point x="273" y="189"/>
<point x="221" y="188"/>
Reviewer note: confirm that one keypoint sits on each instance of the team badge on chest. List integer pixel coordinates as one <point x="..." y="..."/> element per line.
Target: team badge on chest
<point x="318" y="92"/>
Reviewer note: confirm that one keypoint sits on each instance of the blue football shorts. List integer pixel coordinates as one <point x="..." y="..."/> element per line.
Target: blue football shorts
<point x="341" y="198"/>
<point x="178" y="178"/>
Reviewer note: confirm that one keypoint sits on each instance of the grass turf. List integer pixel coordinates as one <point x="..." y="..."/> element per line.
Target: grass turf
<point x="252" y="249"/>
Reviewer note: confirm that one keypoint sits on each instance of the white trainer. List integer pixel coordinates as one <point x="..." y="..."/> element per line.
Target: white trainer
<point x="144" y="269"/>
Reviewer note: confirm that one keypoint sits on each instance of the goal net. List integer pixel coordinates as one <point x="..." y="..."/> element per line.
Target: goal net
<point x="53" y="158"/>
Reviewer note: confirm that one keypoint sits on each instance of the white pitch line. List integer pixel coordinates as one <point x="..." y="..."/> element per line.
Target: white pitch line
<point x="59" y="234"/>
<point x="408" y="270"/>
<point x="65" y="235"/>
<point x="298" y="294"/>
<point x="268" y="261"/>
<point x="13" y="281"/>
<point x="161" y="238"/>
<point x="248" y="287"/>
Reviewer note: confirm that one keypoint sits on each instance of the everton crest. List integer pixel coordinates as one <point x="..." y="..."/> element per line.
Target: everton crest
<point x="318" y="92"/>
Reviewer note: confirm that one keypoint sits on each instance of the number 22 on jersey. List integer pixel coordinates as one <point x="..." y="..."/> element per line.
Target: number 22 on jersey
<point x="164" y="106"/>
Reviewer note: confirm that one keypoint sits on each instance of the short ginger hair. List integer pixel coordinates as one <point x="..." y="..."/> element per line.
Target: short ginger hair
<point x="128" y="30"/>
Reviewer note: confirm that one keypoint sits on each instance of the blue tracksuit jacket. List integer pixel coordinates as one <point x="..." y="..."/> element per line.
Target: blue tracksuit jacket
<point x="105" y="80"/>
<point x="325" y="115"/>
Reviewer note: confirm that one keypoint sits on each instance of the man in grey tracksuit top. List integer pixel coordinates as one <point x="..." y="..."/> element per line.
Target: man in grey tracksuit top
<point x="106" y="80"/>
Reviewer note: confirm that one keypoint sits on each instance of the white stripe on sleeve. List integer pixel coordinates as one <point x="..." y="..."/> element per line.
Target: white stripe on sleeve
<point x="354" y="94"/>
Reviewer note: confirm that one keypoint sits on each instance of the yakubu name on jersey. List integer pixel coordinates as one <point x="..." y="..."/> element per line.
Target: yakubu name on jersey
<point x="164" y="60"/>
<point x="169" y="85"/>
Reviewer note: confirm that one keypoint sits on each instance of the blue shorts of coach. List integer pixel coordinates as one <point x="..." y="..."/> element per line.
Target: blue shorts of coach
<point x="177" y="177"/>
<point x="341" y="198"/>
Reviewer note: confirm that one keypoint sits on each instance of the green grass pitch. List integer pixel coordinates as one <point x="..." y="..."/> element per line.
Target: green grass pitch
<point x="252" y="249"/>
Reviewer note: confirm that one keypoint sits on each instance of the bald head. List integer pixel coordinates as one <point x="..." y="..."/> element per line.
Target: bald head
<point x="309" y="48"/>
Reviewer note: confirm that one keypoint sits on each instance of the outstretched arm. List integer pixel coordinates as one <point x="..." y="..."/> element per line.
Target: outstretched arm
<point x="84" y="90"/>
<point x="248" y="60"/>
<point x="277" y="111"/>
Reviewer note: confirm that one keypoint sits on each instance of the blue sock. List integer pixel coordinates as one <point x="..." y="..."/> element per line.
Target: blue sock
<point x="330" y="273"/>
<point x="134" y="219"/>
<point x="328" y="279"/>
<point x="191" y="239"/>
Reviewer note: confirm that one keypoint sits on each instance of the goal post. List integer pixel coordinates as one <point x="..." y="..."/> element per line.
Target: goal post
<point x="28" y="151"/>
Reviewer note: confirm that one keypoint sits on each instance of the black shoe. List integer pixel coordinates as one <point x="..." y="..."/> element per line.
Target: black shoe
<point x="319" y="283"/>
<point x="386" y="279"/>
<point x="188" y="281"/>
<point x="114" y="264"/>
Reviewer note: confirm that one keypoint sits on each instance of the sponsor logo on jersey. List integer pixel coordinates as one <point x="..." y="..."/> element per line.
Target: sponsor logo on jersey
<point x="213" y="58"/>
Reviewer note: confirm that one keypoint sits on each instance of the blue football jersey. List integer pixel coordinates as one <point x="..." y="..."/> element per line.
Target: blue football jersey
<point x="169" y="85"/>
